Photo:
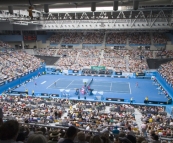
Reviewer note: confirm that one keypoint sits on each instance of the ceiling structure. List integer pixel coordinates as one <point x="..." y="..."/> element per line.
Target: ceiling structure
<point x="134" y="14"/>
<point x="39" y="4"/>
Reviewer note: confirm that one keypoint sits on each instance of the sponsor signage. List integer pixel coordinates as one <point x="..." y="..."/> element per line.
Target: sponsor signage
<point x="18" y="92"/>
<point x="44" y="94"/>
<point x="115" y="99"/>
<point x="54" y="95"/>
<point x="118" y="73"/>
<point x="140" y="74"/>
<point x="97" y="68"/>
<point x="75" y="71"/>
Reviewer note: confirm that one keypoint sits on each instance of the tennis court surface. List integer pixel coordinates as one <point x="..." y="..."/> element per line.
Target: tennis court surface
<point x="97" y="85"/>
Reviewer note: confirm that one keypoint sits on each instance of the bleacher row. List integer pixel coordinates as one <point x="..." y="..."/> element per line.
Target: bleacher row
<point x="118" y="60"/>
<point x="14" y="64"/>
<point x="117" y="121"/>
<point x="140" y="38"/>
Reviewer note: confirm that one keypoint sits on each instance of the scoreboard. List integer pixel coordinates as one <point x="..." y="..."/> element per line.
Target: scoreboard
<point x="30" y="38"/>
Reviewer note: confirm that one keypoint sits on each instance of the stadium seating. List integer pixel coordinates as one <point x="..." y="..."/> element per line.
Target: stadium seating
<point x="116" y="38"/>
<point x="6" y="45"/>
<point x="93" y="38"/>
<point x="116" y="124"/>
<point x="166" y="72"/>
<point x="72" y="37"/>
<point x="16" y="63"/>
<point x="160" y="38"/>
<point x="140" y="38"/>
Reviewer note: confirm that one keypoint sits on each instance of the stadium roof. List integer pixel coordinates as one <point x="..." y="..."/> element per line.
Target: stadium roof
<point x="39" y="4"/>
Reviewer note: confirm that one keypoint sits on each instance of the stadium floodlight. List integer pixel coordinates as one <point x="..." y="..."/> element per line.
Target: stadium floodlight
<point x="10" y="9"/>
<point x="46" y="8"/>
<point x="115" y="5"/>
<point x="135" y="4"/>
<point x="93" y="6"/>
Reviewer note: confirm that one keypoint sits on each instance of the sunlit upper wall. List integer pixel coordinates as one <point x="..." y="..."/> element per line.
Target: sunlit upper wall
<point x="87" y="9"/>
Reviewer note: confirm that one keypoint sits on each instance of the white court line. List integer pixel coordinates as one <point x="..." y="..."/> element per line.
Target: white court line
<point x="101" y="85"/>
<point x="52" y="84"/>
<point x="43" y="82"/>
<point x="77" y="84"/>
<point x="129" y="88"/>
<point x="111" y="86"/>
<point x="70" y="83"/>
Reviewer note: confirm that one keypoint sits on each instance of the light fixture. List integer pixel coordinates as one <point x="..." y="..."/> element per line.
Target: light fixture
<point x="10" y="9"/>
<point x="115" y="5"/>
<point x="46" y="8"/>
<point x="135" y="4"/>
<point x="93" y="6"/>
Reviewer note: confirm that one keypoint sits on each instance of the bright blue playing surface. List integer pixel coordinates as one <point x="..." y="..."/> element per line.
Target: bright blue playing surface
<point x="111" y="87"/>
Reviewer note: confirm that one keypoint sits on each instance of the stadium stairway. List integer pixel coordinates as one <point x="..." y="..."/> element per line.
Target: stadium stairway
<point x="100" y="63"/>
<point x="77" y="57"/>
<point x="59" y="45"/>
<point x="127" y="42"/>
<point x="55" y="54"/>
<point x="151" y="37"/>
<point x="30" y="51"/>
<point x="102" y="53"/>
<point x="138" y="116"/>
<point x="101" y="57"/>
<point x="104" y="40"/>
<point x="127" y="62"/>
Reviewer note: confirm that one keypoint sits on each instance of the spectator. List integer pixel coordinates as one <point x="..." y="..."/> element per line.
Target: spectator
<point x="1" y="117"/>
<point x="70" y="134"/>
<point x="54" y="137"/>
<point x="81" y="137"/>
<point x="96" y="139"/>
<point x="156" y="139"/>
<point x="37" y="138"/>
<point x="9" y="131"/>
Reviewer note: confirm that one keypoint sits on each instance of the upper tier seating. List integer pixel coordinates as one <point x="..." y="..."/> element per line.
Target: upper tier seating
<point x="160" y="38"/>
<point x="93" y="38"/>
<point x="139" y="38"/>
<point x="14" y="63"/>
<point x="116" y="38"/>
<point x="166" y="70"/>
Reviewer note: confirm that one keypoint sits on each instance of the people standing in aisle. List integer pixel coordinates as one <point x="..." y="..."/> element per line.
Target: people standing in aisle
<point x="131" y="100"/>
<point x="26" y="91"/>
<point x="137" y="85"/>
<point x="33" y="93"/>
<point x="55" y="83"/>
<point x="146" y="99"/>
<point x="1" y="116"/>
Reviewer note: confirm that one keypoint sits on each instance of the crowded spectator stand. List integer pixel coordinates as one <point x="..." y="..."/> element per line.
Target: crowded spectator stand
<point x="55" y="116"/>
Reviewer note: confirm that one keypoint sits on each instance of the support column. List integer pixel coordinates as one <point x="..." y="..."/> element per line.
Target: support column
<point x="36" y="43"/>
<point x="23" y="47"/>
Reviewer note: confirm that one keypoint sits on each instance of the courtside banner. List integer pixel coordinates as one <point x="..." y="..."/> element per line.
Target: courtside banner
<point x="54" y="95"/>
<point x="118" y="73"/>
<point x="75" y="71"/>
<point x="140" y="74"/>
<point x="44" y="94"/>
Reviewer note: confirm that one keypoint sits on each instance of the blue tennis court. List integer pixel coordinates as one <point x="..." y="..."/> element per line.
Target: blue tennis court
<point x="108" y="87"/>
<point x="116" y="87"/>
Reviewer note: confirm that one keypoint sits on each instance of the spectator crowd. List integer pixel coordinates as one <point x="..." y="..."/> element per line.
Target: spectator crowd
<point x="166" y="71"/>
<point x="31" y="119"/>
<point x="160" y="38"/>
<point x="135" y="38"/>
<point x="16" y="63"/>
